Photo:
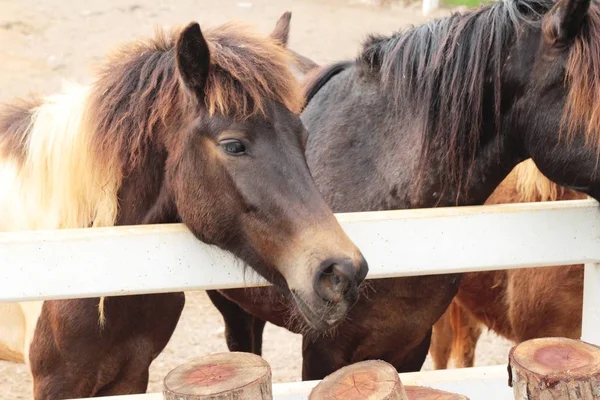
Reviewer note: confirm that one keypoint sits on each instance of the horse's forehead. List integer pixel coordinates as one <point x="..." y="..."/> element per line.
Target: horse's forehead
<point x="277" y="121"/>
<point x="282" y="118"/>
<point x="277" y="118"/>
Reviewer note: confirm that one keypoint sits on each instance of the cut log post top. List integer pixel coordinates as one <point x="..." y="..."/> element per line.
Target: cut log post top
<point x="554" y="368"/>
<point x="373" y="380"/>
<point x="221" y="376"/>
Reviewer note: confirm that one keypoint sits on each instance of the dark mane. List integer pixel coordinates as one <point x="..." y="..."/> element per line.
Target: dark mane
<point x="315" y="81"/>
<point x="446" y="69"/>
<point x="138" y="91"/>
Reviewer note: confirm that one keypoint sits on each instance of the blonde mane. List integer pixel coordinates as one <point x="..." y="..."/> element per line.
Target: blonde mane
<point x="532" y="185"/>
<point x="527" y="184"/>
<point x="58" y="182"/>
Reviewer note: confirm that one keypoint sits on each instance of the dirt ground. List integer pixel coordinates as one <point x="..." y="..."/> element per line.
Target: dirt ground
<point x="43" y="42"/>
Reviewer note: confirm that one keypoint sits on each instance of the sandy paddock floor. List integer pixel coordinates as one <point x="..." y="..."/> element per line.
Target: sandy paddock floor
<point x="43" y="42"/>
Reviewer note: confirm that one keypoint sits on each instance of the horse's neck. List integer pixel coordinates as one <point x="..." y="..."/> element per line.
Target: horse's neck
<point x="140" y="189"/>
<point x="376" y="146"/>
<point x="492" y="165"/>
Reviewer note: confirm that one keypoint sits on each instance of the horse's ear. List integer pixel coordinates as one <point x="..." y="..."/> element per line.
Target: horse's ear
<point x="564" y="22"/>
<point x="163" y="210"/>
<point x="193" y="58"/>
<point x="281" y="33"/>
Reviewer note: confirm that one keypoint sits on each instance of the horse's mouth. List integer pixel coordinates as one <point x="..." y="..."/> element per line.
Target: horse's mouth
<point x="316" y="322"/>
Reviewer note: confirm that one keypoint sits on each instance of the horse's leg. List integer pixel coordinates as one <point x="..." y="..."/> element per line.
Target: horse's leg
<point x="466" y="334"/>
<point x="320" y="358"/>
<point x="132" y="380"/>
<point x="258" y="327"/>
<point x="416" y="358"/>
<point x="441" y="341"/>
<point x="13" y="332"/>
<point x="71" y="356"/>
<point x="243" y="331"/>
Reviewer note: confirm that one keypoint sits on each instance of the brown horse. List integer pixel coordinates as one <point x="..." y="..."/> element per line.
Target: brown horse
<point x="518" y="304"/>
<point x="438" y="115"/>
<point x="190" y="126"/>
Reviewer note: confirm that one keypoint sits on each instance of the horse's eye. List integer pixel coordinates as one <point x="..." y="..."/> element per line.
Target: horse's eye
<point x="234" y="147"/>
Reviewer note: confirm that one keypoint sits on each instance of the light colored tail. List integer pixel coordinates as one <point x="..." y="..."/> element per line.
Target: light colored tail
<point x="12" y="333"/>
<point x="533" y="186"/>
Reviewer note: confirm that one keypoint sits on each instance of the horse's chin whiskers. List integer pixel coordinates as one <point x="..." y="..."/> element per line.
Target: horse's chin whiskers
<point x="296" y="322"/>
<point x="364" y="288"/>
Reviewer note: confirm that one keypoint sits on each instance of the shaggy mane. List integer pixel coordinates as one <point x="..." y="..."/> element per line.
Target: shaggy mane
<point x="448" y="68"/>
<point x="139" y="92"/>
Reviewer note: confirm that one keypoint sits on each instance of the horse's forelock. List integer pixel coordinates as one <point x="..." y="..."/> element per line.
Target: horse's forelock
<point x="251" y="70"/>
<point x="139" y="94"/>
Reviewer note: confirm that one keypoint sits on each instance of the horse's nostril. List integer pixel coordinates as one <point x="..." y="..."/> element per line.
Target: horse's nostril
<point x="344" y="272"/>
<point x="334" y="279"/>
<point x="339" y="282"/>
<point x="328" y="270"/>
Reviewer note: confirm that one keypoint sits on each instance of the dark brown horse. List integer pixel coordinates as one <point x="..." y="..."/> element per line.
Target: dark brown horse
<point x="192" y="127"/>
<point x="438" y="115"/>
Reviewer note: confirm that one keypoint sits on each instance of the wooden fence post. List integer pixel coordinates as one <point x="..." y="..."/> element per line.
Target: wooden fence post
<point x="554" y="368"/>
<point x="221" y="376"/>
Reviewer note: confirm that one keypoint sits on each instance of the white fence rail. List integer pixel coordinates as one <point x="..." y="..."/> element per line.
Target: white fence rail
<point x="164" y="258"/>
